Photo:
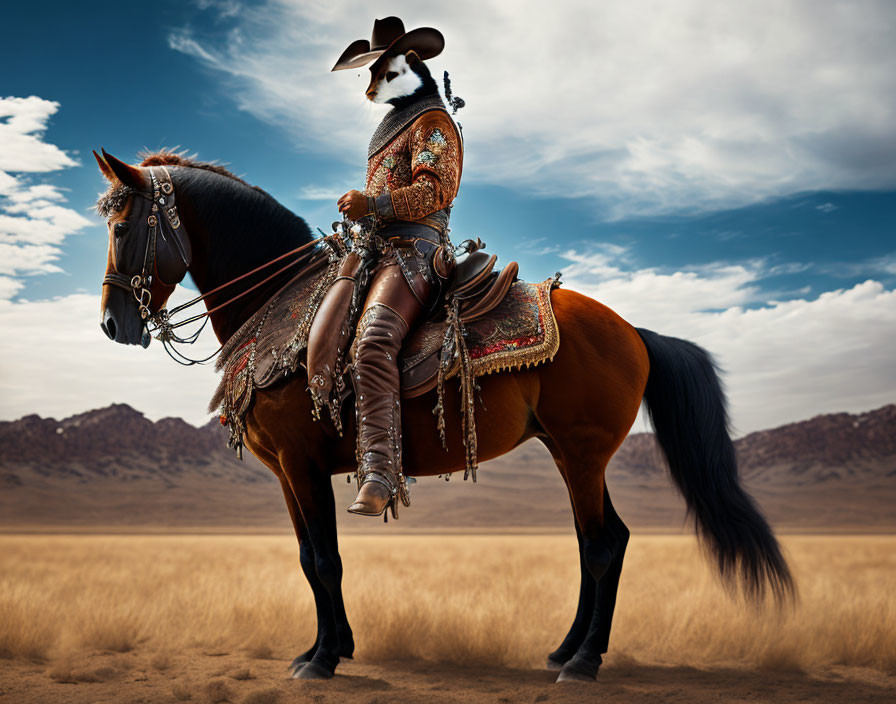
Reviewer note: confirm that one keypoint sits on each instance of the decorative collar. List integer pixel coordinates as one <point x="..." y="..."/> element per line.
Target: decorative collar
<point x="397" y="119"/>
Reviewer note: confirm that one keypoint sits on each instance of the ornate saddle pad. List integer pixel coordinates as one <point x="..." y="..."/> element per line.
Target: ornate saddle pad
<point x="520" y="331"/>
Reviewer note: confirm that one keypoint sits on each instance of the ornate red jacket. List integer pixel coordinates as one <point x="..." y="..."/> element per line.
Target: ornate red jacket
<point x="416" y="174"/>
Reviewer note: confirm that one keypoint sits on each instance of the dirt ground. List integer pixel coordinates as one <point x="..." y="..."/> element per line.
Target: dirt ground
<point x="201" y="677"/>
<point x="98" y="618"/>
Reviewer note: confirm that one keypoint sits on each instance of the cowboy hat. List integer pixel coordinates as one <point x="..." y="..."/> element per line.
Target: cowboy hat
<point x="390" y="39"/>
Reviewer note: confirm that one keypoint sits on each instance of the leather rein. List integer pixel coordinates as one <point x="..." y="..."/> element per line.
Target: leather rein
<point x="164" y="222"/>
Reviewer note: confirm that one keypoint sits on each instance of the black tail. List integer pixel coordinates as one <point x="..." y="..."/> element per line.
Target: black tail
<point x="686" y="404"/>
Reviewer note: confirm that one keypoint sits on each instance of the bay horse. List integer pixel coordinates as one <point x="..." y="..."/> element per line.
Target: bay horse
<point x="581" y="405"/>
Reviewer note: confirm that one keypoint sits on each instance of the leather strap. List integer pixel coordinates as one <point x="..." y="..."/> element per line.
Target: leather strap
<point x="163" y="217"/>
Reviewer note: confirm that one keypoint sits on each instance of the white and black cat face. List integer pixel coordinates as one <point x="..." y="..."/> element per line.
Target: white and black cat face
<point x="398" y="77"/>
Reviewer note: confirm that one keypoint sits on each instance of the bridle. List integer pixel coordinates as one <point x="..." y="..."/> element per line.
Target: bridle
<point x="174" y="258"/>
<point x="163" y="217"/>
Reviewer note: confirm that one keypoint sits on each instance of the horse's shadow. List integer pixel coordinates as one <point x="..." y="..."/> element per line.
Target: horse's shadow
<point x="624" y="682"/>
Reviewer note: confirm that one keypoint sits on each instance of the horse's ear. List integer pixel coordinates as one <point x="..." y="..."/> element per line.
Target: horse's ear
<point x="127" y="174"/>
<point x="104" y="167"/>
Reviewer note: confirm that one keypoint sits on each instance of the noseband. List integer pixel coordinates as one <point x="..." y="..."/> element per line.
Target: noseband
<point x="163" y="221"/>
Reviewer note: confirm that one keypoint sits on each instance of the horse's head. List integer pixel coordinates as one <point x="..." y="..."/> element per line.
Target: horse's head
<point x="149" y="251"/>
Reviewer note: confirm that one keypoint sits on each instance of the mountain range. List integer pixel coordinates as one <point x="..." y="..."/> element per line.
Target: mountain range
<point x="114" y="469"/>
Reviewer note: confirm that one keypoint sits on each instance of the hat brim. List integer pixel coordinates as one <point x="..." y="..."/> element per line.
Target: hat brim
<point x="426" y="41"/>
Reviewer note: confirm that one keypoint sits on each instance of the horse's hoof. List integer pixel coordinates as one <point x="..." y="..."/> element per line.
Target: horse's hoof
<point x="553" y="664"/>
<point x="573" y="676"/>
<point x="579" y="670"/>
<point x="297" y="665"/>
<point x="313" y="671"/>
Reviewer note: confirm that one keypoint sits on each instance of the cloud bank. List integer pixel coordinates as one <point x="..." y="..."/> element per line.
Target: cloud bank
<point x="59" y="363"/>
<point x="34" y="221"/>
<point x="783" y="361"/>
<point x="645" y="107"/>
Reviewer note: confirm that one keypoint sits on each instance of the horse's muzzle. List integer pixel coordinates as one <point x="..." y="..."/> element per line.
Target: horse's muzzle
<point x="126" y="332"/>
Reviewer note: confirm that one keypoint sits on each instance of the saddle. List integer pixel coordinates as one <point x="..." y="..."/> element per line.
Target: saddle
<point x="478" y="289"/>
<point x="491" y="322"/>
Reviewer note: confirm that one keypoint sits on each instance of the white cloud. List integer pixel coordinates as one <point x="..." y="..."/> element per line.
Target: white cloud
<point x="33" y="219"/>
<point x="58" y="362"/>
<point x="9" y="287"/>
<point x="648" y="107"/>
<point x="321" y="193"/>
<point x="22" y="123"/>
<point x="783" y="361"/>
<point x="27" y="259"/>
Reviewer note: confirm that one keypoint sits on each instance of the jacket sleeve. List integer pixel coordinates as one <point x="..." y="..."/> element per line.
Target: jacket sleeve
<point x="436" y="164"/>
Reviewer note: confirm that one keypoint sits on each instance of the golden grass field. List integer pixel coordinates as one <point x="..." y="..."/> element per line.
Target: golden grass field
<point x="98" y="618"/>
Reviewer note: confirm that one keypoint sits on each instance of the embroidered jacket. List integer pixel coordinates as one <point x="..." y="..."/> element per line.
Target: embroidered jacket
<point x="415" y="177"/>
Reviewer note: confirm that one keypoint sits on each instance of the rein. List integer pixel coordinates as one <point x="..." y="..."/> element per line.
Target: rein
<point x="164" y="328"/>
<point x="163" y="202"/>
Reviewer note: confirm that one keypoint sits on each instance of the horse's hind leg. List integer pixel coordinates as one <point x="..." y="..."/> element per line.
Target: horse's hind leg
<point x="584" y="612"/>
<point x="602" y="538"/>
<point x="602" y="556"/>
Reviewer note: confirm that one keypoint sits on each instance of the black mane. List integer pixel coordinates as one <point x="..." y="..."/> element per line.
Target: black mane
<point x="248" y="226"/>
<point x="115" y="198"/>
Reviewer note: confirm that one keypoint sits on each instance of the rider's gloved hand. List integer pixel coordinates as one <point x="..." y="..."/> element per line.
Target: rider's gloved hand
<point x="355" y="205"/>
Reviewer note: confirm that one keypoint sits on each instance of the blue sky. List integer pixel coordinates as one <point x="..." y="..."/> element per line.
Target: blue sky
<point x="716" y="173"/>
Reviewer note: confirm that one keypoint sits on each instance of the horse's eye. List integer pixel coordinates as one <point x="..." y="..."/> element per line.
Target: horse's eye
<point x="120" y="229"/>
<point x="391" y="75"/>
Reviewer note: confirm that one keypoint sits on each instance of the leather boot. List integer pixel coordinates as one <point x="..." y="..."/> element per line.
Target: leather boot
<point x="329" y="337"/>
<point x="376" y="381"/>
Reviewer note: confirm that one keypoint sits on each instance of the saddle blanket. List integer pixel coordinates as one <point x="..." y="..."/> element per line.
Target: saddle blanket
<point x="520" y="331"/>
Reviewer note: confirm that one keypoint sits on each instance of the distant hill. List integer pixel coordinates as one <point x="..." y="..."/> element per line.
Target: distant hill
<point x="112" y="468"/>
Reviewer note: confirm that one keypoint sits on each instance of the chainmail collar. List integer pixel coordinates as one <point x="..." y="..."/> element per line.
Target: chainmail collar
<point x="396" y="120"/>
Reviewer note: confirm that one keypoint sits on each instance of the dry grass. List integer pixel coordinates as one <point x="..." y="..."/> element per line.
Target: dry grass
<point x="459" y="599"/>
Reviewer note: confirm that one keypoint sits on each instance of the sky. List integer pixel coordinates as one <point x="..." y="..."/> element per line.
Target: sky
<point x="718" y="171"/>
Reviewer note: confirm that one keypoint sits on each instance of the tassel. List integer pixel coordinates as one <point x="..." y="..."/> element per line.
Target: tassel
<point x="445" y="360"/>
<point x="467" y="391"/>
<point x="454" y="346"/>
<point x="456" y="102"/>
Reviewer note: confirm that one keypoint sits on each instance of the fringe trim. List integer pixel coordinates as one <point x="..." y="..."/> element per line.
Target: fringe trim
<point x="454" y="348"/>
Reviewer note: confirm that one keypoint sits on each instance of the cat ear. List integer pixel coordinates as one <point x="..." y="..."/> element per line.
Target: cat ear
<point x="411" y="57"/>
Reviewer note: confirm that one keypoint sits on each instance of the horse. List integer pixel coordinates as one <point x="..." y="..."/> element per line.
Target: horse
<point x="580" y="405"/>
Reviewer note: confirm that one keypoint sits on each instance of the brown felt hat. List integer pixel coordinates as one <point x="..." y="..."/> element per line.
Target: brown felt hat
<point x="390" y="39"/>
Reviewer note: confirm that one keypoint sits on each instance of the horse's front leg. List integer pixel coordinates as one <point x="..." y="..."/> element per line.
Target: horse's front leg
<point x="323" y="603"/>
<point x="331" y="617"/>
<point x="312" y="493"/>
